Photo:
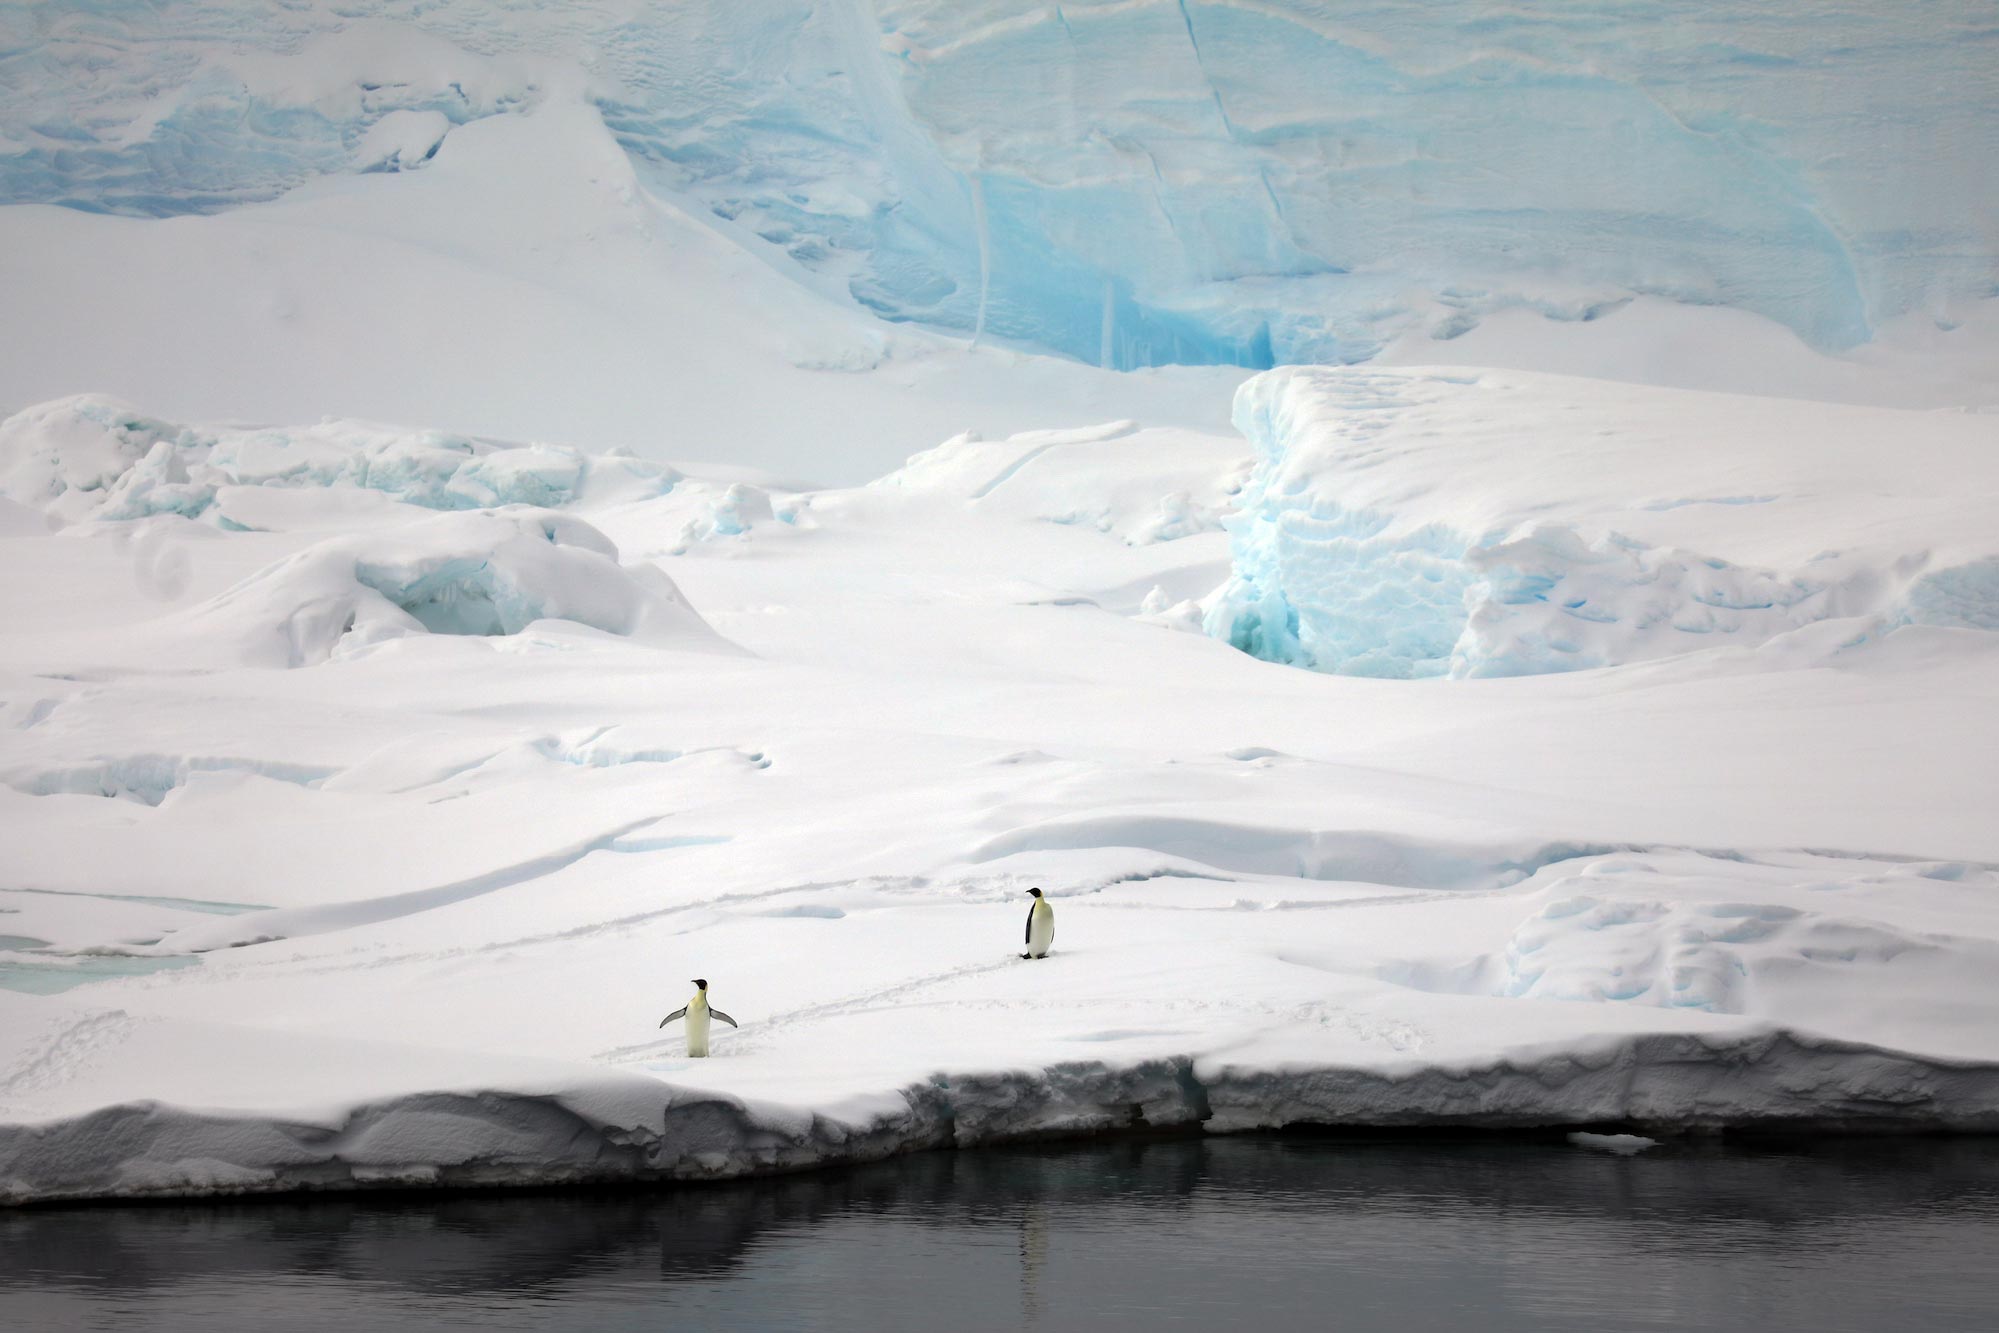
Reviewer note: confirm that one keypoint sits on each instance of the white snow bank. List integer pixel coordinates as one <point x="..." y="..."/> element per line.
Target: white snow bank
<point x="632" y="1129"/>
<point x="485" y="573"/>
<point x="1488" y="523"/>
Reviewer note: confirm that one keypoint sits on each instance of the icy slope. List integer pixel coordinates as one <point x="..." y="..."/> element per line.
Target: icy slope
<point x="523" y="285"/>
<point x="1412" y="523"/>
<point x="1128" y="182"/>
<point x="410" y="911"/>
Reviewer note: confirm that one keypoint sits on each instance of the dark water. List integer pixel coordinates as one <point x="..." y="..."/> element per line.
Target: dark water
<point x="1406" y="1235"/>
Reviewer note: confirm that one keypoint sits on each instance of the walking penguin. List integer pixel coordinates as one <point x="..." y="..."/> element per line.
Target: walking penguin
<point x="1040" y="926"/>
<point x="697" y="1012"/>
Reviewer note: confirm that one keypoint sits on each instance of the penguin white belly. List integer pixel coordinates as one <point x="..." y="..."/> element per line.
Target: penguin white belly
<point x="697" y="1030"/>
<point x="1040" y="929"/>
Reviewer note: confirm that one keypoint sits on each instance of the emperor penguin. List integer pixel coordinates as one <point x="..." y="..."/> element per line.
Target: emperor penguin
<point x="1040" y="926"/>
<point x="697" y="1012"/>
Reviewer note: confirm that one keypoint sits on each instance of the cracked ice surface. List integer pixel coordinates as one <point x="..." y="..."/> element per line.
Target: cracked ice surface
<point x="408" y="909"/>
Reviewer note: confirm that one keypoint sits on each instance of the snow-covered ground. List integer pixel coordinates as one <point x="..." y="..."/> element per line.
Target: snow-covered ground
<point x="476" y="587"/>
<point x="370" y="795"/>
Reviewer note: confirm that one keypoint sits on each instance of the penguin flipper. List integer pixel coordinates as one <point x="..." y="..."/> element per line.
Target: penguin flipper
<point x="1027" y="937"/>
<point x="681" y="1012"/>
<point x="717" y="1013"/>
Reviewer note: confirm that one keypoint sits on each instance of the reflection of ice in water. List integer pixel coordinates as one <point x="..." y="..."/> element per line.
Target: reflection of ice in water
<point x="1033" y="1258"/>
<point x="48" y="974"/>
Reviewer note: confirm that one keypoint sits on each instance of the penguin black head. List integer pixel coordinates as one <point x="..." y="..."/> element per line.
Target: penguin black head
<point x="700" y="984"/>
<point x="1034" y="893"/>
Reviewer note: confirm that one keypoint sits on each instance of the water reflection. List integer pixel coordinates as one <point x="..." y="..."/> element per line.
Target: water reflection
<point x="1402" y="1234"/>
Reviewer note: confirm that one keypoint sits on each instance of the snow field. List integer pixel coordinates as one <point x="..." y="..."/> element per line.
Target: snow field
<point x="417" y="898"/>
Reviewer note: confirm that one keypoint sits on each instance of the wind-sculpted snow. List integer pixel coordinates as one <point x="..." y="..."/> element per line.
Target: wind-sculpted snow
<point x="1128" y="182"/>
<point x="487" y="573"/>
<point x="1412" y="524"/>
<point x="352" y="841"/>
<point x="501" y="560"/>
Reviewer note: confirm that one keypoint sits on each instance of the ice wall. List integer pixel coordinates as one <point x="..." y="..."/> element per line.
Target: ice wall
<point x="1417" y="523"/>
<point x="1129" y="182"/>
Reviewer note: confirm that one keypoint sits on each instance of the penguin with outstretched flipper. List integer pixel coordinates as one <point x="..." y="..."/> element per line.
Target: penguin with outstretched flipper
<point x="697" y="1012"/>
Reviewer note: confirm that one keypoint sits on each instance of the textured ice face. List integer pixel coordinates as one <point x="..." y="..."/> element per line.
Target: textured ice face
<point x="492" y="572"/>
<point x="504" y="561"/>
<point x="1414" y="523"/>
<point x="1130" y="182"/>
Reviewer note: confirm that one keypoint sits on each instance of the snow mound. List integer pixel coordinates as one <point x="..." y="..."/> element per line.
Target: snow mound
<point x="730" y="511"/>
<point x="91" y="456"/>
<point x="1412" y="524"/>
<point x="483" y="573"/>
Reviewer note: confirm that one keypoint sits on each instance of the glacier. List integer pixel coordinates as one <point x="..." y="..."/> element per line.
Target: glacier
<point x="1125" y="182"/>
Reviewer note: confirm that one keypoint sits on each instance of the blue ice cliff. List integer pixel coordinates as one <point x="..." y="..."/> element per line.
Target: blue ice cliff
<point x="1127" y="182"/>
<point x="1419" y="523"/>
